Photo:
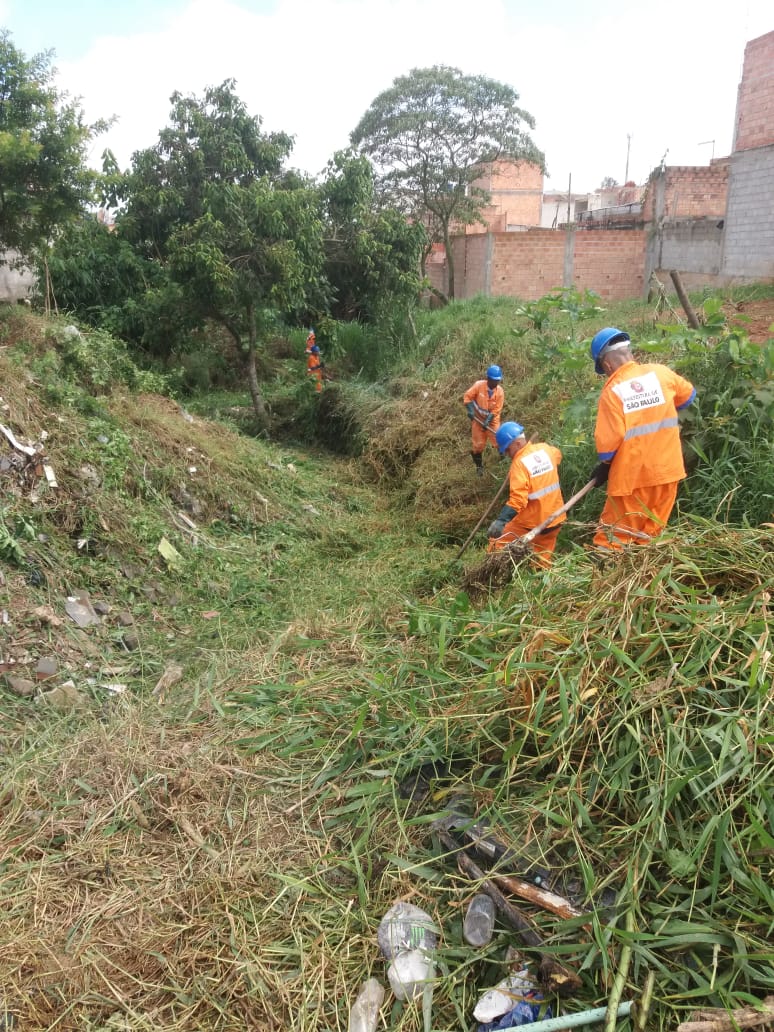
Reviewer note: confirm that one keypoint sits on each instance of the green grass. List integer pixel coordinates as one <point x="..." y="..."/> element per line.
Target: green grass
<point x="217" y="853"/>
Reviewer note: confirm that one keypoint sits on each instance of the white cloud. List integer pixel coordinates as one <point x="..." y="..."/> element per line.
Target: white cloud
<point x="665" y="73"/>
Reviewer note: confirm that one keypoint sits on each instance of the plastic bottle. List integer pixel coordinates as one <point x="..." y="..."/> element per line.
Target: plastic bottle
<point x="478" y="926"/>
<point x="406" y="927"/>
<point x="365" y="1010"/>
<point x="407" y="937"/>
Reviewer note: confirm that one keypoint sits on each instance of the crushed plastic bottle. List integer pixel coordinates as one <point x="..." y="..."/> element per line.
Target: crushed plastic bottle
<point x="514" y="1001"/>
<point x="406" y="927"/>
<point x="407" y="937"/>
<point x="478" y="926"/>
<point x="364" y="1013"/>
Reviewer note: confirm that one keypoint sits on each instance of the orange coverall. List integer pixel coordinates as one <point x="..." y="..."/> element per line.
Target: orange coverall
<point x="638" y="432"/>
<point x="535" y="493"/>
<point x="314" y="368"/>
<point x="486" y="401"/>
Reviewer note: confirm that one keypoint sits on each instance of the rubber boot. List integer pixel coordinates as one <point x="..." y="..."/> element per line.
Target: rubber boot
<point x="476" y="456"/>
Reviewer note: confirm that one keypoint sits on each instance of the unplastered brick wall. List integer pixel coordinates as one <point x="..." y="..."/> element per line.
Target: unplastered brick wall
<point x="526" y="265"/>
<point x="755" y="100"/>
<point x="687" y="192"/>
<point x="471" y="264"/>
<point x="530" y="264"/>
<point x="610" y="262"/>
<point x="516" y="188"/>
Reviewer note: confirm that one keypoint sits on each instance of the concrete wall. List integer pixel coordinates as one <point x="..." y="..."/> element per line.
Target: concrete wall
<point x="748" y="248"/>
<point x="15" y="283"/>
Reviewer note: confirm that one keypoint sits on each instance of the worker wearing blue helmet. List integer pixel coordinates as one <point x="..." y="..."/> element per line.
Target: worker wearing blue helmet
<point x="535" y="493"/>
<point x="638" y="441"/>
<point x="484" y="402"/>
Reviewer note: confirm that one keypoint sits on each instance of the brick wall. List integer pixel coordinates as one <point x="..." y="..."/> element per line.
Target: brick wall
<point x="516" y="189"/>
<point x="755" y="99"/>
<point x="526" y="265"/>
<point x="530" y="264"/>
<point x="610" y="262"/>
<point x="687" y="191"/>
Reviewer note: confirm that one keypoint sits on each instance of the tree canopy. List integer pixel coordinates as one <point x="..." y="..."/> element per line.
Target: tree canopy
<point x="240" y="236"/>
<point x="431" y="134"/>
<point x="372" y="253"/>
<point x="44" y="179"/>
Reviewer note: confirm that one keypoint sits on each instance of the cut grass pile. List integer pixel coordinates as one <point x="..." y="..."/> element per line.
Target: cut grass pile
<point x="617" y="728"/>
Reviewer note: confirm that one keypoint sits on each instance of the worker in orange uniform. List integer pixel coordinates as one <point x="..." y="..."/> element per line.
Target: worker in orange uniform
<point x="638" y="441"/>
<point x="314" y="362"/>
<point x="534" y="494"/>
<point x="484" y="402"/>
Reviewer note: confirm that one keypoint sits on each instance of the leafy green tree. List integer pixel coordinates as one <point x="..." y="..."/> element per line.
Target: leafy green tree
<point x="240" y="236"/>
<point x="44" y="179"/>
<point x="431" y="133"/>
<point x="371" y="254"/>
<point x="96" y="274"/>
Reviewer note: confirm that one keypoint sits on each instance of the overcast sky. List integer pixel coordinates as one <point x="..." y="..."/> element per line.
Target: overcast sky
<point x="601" y="77"/>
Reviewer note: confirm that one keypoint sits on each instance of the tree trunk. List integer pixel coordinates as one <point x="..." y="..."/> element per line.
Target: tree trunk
<point x="252" y="377"/>
<point x="449" y="262"/>
<point x="250" y="368"/>
<point x="255" y="392"/>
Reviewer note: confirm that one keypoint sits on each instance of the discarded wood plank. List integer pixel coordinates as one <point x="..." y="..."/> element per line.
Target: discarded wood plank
<point x="687" y="307"/>
<point x="542" y="898"/>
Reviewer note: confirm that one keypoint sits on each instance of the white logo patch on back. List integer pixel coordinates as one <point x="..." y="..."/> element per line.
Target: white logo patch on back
<point x="538" y="462"/>
<point x="640" y="392"/>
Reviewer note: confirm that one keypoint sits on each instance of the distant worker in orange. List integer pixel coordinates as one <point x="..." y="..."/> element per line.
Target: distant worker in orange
<point x="535" y="493"/>
<point x="484" y="402"/>
<point x="638" y="441"/>
<point x="314" y="363"/>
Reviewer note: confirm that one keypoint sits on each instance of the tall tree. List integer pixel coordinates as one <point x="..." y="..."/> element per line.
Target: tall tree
<point x="240" y="236"/>
<point x="430" y="135"/>
<point x="371" y="253"/>
<point x="44" y="179"/>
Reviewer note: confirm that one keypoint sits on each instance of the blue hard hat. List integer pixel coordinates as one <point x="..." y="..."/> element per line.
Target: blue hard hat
<point x="506" y="433"/>
<point x="610" y="335"/>
<point x="494" y="372"/>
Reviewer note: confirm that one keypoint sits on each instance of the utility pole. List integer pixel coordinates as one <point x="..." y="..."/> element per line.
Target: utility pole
<point x="704" y="143"/>
<point x="569" y="198"/>
<point x="628" y="148"/>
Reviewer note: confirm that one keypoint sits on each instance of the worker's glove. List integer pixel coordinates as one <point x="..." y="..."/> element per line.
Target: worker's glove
<point x="489" y="419"/>
<point x="470" y="408"/>
<point x="600" y="474"/>
<point x="506" y="513"/>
